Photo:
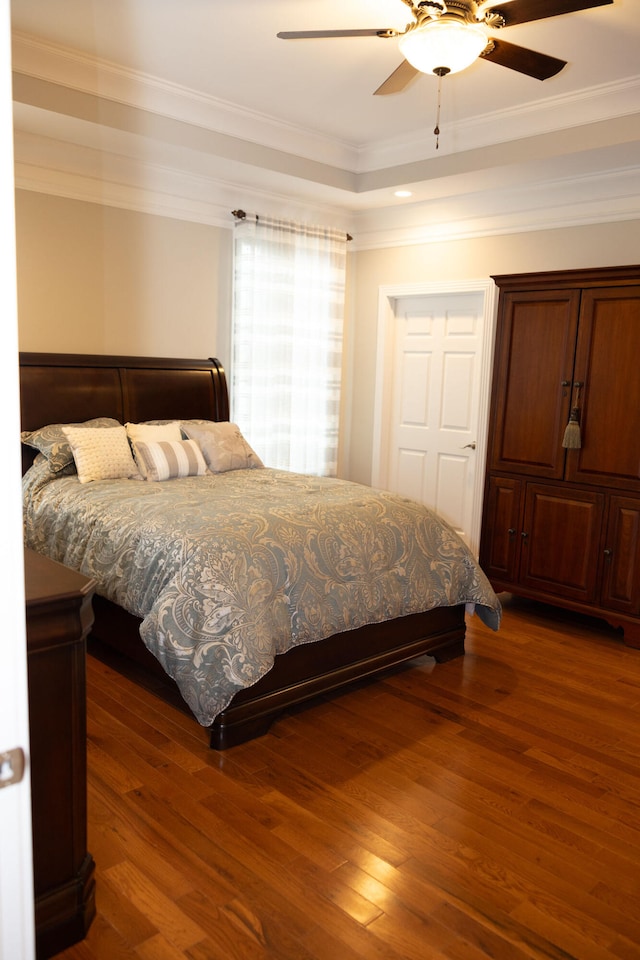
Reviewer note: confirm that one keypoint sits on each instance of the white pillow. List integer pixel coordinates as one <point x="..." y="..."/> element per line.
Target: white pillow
<point x="101" y="453"/>
<point x="151" y="433"/>
<point x="170" y="459"/>
<point x="223" y="446"/>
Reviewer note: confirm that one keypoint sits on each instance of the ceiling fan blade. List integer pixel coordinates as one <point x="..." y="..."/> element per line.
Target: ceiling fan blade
<point x="537" y="65"/>
<point x="523" y="11"/>
<point x="398" y="80"/>
<point x="384" y="32"/>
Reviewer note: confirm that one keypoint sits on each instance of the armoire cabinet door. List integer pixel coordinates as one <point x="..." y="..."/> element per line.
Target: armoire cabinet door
<point x="561" y="541"/>
<point x="621" y="578"/>
<point x="532" y="393"/>
<point x="607" y="358"/>
<point x="500" y="541"/>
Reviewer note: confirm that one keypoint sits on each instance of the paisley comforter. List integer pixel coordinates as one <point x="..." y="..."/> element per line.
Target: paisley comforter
<point x="228" y="570"/>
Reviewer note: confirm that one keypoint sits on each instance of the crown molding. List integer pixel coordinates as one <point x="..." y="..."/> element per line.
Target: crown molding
<point x="170" y="151"/>
<point x="75" y="172"/>
<point x="570" y="201"/>
<point x="594" y="104"/>
<point x="57" y="64"/>
<point x="51" y="62"/>
<point x="81" y="173"/>
<point x="496" y="225"/>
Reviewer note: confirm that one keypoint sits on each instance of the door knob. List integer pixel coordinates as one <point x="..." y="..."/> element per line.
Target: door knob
<point x="471" y="445"/>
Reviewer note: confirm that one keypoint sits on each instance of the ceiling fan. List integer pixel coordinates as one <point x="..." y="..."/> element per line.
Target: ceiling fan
<point x="447" y="36"/>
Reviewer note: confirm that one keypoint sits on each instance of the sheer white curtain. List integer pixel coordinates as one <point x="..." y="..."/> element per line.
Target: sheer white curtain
<point x="289" y="281"/>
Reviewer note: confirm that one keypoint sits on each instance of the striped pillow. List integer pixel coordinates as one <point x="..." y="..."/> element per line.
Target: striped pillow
<point x="150" y="433"/>
<point x="169" y="459"/>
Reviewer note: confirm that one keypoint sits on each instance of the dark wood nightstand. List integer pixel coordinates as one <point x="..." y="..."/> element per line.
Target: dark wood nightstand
<point x="59" y="616"/>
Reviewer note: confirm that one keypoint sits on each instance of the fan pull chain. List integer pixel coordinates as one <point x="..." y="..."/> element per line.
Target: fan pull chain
<point x="440" y="72"/>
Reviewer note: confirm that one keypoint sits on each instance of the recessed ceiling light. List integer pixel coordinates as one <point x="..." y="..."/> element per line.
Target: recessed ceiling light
<point x="403" y="193"/>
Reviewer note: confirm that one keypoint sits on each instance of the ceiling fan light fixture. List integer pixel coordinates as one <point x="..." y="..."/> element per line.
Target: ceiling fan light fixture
<point x="443" y="45"/>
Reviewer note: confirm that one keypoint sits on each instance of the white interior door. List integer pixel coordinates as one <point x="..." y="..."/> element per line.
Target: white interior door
<point x="434" y="390"/>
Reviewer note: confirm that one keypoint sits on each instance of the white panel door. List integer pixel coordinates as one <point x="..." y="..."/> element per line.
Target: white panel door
<point x="436" y="348"/>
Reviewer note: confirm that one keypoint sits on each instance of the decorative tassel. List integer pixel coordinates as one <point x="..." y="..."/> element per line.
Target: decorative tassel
<point x="572" y="439"/>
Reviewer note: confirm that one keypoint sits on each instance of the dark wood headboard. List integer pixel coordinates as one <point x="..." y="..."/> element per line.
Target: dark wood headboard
<point x="71" y="388"/>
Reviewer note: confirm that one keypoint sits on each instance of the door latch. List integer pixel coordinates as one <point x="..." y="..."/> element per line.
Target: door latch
<point x="11" y="767"/>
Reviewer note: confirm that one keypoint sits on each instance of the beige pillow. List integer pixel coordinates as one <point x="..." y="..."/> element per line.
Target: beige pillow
<point x="101" y="453"/>
<point x="223" y="446"/>
<point x="151" y="433"/>
<point x="171" y="459"/>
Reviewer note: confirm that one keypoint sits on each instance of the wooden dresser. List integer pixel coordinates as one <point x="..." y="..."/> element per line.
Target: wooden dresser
<point x="561" y="521"/>
<point x="59" y="616"/>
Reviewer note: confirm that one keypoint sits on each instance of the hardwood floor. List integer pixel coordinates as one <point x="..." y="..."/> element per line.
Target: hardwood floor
<point x="486" y="807"/>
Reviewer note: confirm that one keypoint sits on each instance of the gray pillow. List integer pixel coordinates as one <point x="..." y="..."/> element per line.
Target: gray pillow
<point x="55" y="446"/>
<point x="223" y="446"/>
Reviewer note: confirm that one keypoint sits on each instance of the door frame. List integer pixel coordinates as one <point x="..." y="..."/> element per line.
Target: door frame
<point x="388" y="297"/>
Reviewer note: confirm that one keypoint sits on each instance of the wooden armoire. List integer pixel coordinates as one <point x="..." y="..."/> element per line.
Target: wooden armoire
<point x="562" y="524"/>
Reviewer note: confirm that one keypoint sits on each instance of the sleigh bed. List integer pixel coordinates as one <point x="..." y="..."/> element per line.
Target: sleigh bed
<point x="73" y="389"/>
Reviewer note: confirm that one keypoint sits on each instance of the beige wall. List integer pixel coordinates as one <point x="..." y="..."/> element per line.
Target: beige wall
<point x="94" y="279"/>
<point x="588" y="246"/>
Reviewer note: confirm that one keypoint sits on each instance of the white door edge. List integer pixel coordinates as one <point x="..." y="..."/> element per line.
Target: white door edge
<point x="388" y="296"/>
<point x="17" y="938"/>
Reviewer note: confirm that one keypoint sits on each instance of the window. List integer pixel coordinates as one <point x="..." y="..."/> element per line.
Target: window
<point x="289" y="283"/>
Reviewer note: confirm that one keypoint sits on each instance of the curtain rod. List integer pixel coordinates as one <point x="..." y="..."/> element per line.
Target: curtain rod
<point x="241" y="215"/>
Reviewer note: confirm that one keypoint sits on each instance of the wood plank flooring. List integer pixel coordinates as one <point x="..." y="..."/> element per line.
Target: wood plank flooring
<point x="486" y="807"/>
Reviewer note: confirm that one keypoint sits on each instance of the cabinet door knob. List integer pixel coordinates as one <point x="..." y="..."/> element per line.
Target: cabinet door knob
<point x="511" y="532"/>
<point x="608" y="553"/>
<point x="524" y="535"/>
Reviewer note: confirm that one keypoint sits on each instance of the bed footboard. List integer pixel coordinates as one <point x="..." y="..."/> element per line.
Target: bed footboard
<point x="306" y="672"/>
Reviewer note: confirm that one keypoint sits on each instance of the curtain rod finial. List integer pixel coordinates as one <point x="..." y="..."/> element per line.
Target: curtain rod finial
<point x="239" y="214"/>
